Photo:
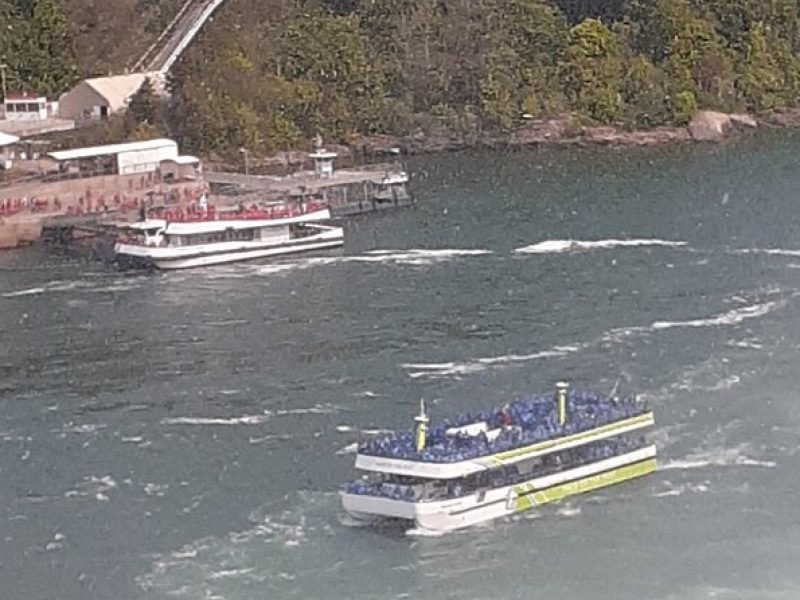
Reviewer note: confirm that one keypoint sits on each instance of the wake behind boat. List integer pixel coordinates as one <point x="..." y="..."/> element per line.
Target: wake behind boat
<point x="477" y="468"/>
<point x="202" y="237"/>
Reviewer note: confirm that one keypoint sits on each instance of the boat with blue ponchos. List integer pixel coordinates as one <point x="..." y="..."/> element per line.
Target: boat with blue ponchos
<point x="479" y="467"/>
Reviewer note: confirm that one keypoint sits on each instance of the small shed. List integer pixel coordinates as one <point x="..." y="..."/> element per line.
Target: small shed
<point x="118" y="159"/>
<point x="100" y="97"/>
<point x="6" y="140"/>
<point x="181" y="168"/>
<point x="25" y="107"/>
<point x="323" y="163"/>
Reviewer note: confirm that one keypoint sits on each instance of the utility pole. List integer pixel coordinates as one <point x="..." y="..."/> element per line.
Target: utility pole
<point x="246" y="161"/>
<point x="3" y="67"/>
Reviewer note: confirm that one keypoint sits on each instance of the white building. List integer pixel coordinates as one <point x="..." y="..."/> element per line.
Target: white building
<point x="100" y="97"/>
<point x="6" y="141"/>
<point x="27" y="107"/>
<point x="126" y="159"/>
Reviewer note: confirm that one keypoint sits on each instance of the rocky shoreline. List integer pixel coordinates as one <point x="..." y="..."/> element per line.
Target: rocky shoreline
<point x="706" y="126"/>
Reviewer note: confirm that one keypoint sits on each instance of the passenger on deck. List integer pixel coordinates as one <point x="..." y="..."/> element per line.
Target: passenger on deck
<point x="505" y="417"/>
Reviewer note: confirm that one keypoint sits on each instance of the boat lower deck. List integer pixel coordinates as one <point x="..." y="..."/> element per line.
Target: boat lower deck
<point x="487" y="504"/>
<point x="183" y="257"/>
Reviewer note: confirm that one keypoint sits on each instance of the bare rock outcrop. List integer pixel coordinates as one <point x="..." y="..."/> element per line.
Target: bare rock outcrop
<point x="712" y="126"/>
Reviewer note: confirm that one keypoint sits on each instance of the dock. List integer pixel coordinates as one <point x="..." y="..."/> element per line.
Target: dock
<point x="348" y="192"/>
<point x="67" y="211"/>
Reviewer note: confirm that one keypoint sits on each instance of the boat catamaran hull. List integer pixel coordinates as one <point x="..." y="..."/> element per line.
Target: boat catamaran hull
<point x="479" y="470"/>
<point x="180" y="245"/>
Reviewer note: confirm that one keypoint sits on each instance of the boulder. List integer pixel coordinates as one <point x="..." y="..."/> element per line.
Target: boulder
<point x="710" y="126"/>
<point x="742" y="120"/>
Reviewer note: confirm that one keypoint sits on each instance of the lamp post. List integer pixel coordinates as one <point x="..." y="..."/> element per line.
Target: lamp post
<point x="246" y="161"/>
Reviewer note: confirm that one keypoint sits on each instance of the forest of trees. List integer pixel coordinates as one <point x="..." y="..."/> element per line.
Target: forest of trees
<point x="271" y="74"/>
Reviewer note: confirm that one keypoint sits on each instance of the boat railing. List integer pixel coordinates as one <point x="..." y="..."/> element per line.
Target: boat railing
<point x="505" y="476"/>
<point x="195" y="214"/>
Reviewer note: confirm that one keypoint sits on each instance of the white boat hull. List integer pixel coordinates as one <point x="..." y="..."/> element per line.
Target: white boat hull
<point x="185" y="257"/>
<point x="485" y="505"/>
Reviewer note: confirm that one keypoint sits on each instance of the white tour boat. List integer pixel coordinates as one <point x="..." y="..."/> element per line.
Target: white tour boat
<point x="177" y="240"/>
<point x="486" y="466"/>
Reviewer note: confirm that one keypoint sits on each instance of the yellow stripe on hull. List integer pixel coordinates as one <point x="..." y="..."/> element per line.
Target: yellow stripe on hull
<point x="527" y="497"/>
<point x="644" y="419"/>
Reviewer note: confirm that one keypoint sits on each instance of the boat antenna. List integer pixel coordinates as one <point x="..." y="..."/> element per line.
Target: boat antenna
<point x="613" y="391"/>
<point x="422" y="421"/>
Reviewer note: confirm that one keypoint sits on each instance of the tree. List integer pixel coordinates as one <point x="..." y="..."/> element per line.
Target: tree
<point x="762" y="80"/>
<point x="143" y="107"/>
<point x="592" y="71"/>
<point x="41" y="54"/>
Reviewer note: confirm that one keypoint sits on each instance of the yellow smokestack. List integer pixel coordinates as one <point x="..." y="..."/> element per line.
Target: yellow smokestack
<point x="561" y="402"/>
<point x="422" y="427"/>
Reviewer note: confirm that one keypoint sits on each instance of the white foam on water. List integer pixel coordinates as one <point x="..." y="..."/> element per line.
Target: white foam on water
<point x="731" y="317"/>
<point x="719" y="457"/>
<point x="376" y="431"/>
<point x="569" y="511"/>
<point x="85" y="428"/>
<point x="154" y="489"/>
<point x="561" y="246"/>
<point x="456" y="369"/>
<point x="680" y="490"/>
<point x="53" y="286"/>
<point x="424" y="533"/>
<point x="411" y="256"/>
<point x="26" y="292"/>
<point x="349" y="449"/>
<point x="724" y="384"/>
<point x="418" y="257"/>
<point x="448" y="369"/>
<point x="768" y="252"/>
<point x="319" y="409"/>
<point x="750" y="344"/>
<point x="676" y="492"/>
<point x="229" y="573"/>
<point x="242" y="420"/>
<point x="93" y="487"/>
<point x="348" y="521"/>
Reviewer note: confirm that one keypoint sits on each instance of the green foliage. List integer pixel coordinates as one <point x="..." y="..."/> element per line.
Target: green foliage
<point x="683" y="105"/>
<point x="351" y="68"/>
<point x="37" y="46"/>
<point x="592" y="71"/>
<point x="762" y="81"/>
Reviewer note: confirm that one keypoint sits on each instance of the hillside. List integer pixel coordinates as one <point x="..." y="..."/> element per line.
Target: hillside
<point x="271" y="74"/>
<point x="110" y="36"/>
<point x="50" y="44"/>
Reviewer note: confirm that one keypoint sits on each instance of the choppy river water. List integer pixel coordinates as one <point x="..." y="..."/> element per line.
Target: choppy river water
<point x="183" y="435"/>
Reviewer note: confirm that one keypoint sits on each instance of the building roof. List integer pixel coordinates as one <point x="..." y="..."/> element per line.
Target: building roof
<point x="184" y="160"/>
<point x="111" y="149"/>
<point x="16" y="96"/>
<point x="7" y="140"/>
<point x="117" y="90"/>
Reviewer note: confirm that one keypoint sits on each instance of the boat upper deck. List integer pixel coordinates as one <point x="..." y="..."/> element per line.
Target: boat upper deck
<point x="522" y="430"/>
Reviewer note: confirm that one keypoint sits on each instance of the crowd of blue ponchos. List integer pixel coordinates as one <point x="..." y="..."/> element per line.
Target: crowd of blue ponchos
<point x="532" y="420"/>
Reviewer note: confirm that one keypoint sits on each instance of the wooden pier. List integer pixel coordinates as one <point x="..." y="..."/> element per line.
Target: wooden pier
<point x="347" y="191"/>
